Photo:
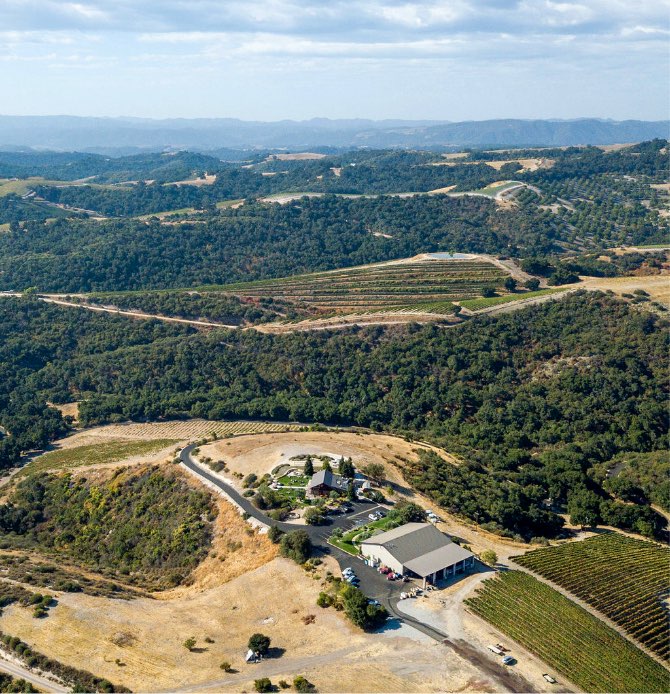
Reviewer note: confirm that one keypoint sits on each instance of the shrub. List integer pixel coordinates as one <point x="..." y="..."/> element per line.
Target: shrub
<point x="302" y="684"/>
<point x="488" y="556"/>
<point x="189" y="644"/>
<point x="360" y="611"/>
<point x="226" y="666"/>
<point x="263" y="685"/>
<point x="315" y="516"/>
<point x="324" y="600"/>
<point x="249" y="480"/>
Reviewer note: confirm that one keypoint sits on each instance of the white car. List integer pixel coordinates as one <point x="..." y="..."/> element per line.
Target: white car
<point x="372" y="516"/>
<point x="347" y="572"/>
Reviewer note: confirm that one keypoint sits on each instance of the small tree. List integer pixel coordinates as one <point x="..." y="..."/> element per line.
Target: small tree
<point x="259" y="643"/>
<point x="309" y="466"/>
<point x="263" y="685"/>
<point x="189" y="644"/>
<point x="583" y="507"/>
<point x="408" y="512"/>
<point x="226" y="666"/>
<point x="351" y="492"/>
<point x="488" y="556"/>
<point x="488" y="292"/>
<point x="347" y="468"/>
<point x="327" y="466"/>
<point x="376" y="472"/>
<point x="510" y="284"/>
<point x="314" y="516"/>
<point x="302" y="684"/>
<point x="532" y="284"/>
<point x="296" y="545"/>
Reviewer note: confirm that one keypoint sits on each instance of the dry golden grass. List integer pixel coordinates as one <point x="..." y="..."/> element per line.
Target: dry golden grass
<point x="658" y="286"/>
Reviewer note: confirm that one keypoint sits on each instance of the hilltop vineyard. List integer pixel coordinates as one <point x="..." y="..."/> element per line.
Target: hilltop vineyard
<point x="565" y="636"/>
<point x="625" y="579"/>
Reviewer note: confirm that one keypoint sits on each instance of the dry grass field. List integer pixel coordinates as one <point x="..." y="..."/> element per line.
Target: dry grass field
<point x="146" y="636"/>
<point x="657" y="286"/>
<point x="261" y="454"/>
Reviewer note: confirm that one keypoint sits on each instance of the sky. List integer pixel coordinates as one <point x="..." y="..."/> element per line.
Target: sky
<point x="275" y="59"/>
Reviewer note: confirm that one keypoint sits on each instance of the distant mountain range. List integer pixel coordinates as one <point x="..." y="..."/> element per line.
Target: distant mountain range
<point x="126" y="135"/>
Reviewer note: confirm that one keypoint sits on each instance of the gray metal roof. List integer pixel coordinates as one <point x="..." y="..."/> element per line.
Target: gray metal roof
<point x="421" y="547"/>
<point x="328" y="478"/>
<point x="438" y="559"/>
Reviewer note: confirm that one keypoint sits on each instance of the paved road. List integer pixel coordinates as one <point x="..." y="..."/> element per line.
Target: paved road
<point x="19" y="672"/>
<point x="373" y="584"/>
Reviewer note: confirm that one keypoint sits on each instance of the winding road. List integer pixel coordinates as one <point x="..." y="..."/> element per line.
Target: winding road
<point x="373" y="584"/>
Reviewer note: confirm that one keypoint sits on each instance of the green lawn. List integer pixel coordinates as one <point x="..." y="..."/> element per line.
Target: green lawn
<point x="294" y="481"/>
<point x="496" y="188"/>
<point x="94" y="454"/>
<point x="479" y="304"/>
<point x="346" y="542"/>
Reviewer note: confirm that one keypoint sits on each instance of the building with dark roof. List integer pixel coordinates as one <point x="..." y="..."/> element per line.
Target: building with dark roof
<point x="325" y="481"/>
<point x="419" y="550"/>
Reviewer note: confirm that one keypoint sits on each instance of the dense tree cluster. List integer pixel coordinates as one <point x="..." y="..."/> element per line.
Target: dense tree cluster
<point x="258" y="241"/>
<point x="531" y="400"/>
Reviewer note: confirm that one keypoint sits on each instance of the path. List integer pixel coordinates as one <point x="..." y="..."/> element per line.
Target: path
<point x="51" y="299"/>
<point x="20" y="672"/>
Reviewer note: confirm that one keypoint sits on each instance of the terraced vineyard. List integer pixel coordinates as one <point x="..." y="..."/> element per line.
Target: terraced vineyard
<point x="406" y="285"/>
<point x="565" y="636"/>
<point x="625" y="579"/>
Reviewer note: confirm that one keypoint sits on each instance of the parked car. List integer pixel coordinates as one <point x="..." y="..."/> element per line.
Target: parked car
<point x="508" y="660"/>
<point x="390" y="577"/>
<point x="372" y="516"/>
<point x="549" y="678"/>
<point x="373" y="602"/>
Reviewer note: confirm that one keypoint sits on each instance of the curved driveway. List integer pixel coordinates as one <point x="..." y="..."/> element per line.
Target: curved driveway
<point x="373" y="584"/>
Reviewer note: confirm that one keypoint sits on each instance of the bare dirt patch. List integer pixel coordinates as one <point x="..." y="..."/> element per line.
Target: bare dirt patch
<point x="70" y="409"/>
<point x="296" y="156"/>
<point x="261" y="454"/>
<point x="526" y="164"/>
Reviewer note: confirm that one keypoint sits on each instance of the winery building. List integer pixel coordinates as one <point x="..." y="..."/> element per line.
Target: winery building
<point x="418" y="550"/>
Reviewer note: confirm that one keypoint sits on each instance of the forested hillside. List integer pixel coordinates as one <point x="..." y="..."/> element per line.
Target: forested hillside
<point x="257" y="241"/>
<point x="531" y="400"/>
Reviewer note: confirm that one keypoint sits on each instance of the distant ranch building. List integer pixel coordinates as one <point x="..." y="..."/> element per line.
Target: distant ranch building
<point x="325" y="481"/>
<point x="418" y="550"/>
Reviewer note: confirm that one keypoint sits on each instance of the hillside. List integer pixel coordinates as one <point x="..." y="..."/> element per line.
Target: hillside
<point x="103" y="134"/>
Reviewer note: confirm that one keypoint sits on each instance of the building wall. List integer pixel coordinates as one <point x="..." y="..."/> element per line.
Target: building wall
<point x="382" y="555"/>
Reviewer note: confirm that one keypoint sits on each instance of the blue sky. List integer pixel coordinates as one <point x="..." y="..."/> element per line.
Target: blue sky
<point x="275" y="59"/>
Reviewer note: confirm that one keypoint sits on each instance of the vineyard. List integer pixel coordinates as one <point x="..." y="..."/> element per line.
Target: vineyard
<point x="625" y="579"/>
<point x="192" y="429"/>
<point x="402" y="285"/>
<point x="565" y="636"/>
<point x="488" y="302"/>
